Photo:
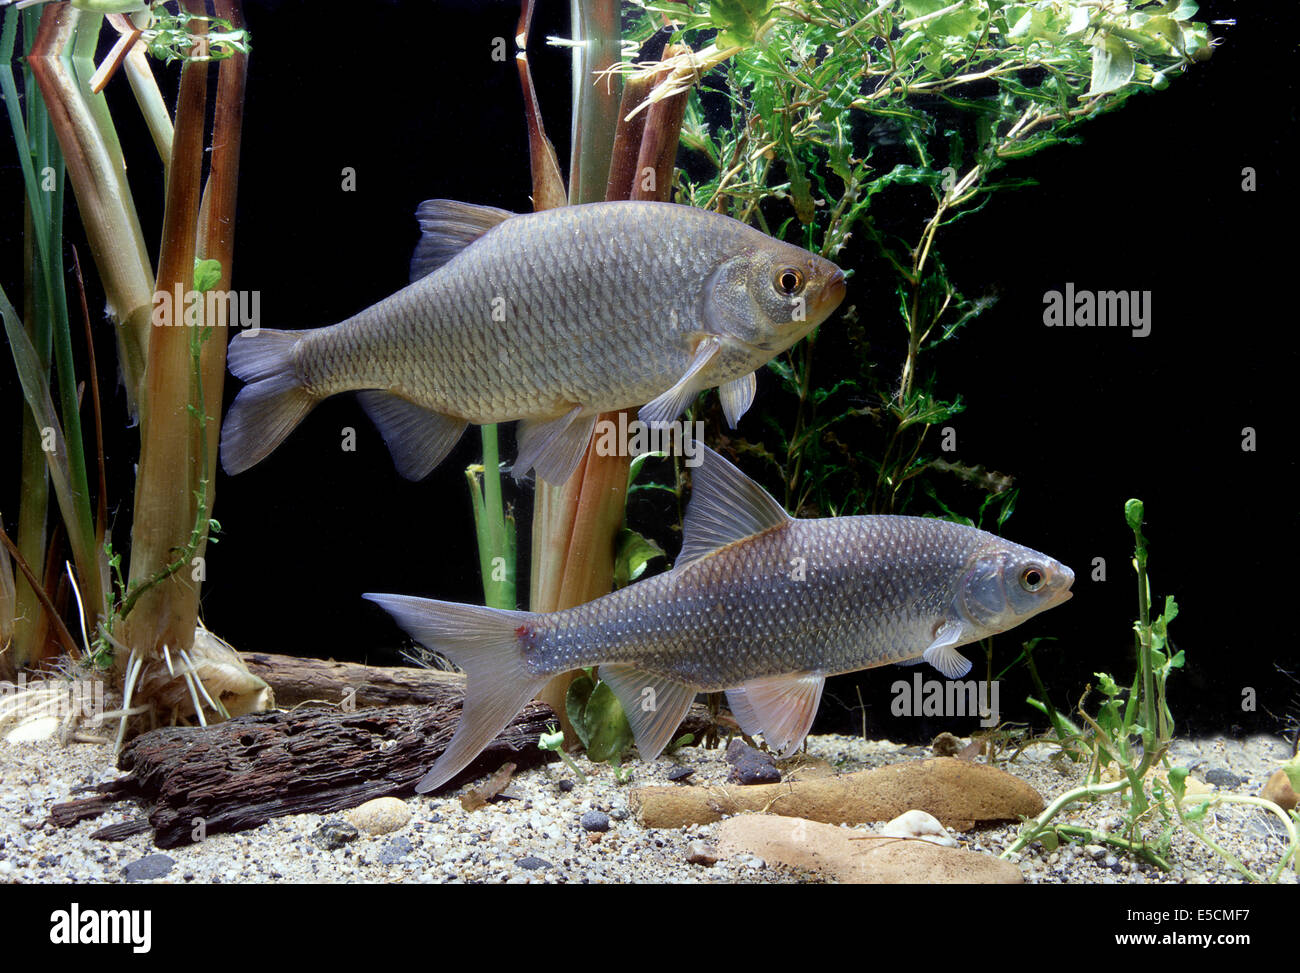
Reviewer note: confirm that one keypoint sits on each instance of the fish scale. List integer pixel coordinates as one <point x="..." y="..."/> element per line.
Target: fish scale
<point x="605" y="306"/>
<point x="759" y="604"/>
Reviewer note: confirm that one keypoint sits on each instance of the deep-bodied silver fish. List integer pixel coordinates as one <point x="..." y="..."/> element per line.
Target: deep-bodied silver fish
<point x="550" y="317"/>
<point x="758" y="604"/>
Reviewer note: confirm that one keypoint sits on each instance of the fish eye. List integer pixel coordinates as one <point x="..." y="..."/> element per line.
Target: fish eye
<point x="1032" y="578"/>
<point x="789" y="281"/>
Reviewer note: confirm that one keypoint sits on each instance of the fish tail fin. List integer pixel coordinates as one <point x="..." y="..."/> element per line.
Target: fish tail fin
<point x="270" y="406"/>
<point x="489" y="644"/>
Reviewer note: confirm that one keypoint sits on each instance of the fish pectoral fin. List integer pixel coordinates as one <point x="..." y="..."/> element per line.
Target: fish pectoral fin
<point x="737" y="396"/>
<point x="779" y="707"/>
<point x="663" y="409"/>
<point x="418" y="438"/>
<point x="446" y="228"/>
<point x="553" y="447"/>
<point x="655" y="705"/>
<point x="726" y="506"/>
<point x="941" y="652"/>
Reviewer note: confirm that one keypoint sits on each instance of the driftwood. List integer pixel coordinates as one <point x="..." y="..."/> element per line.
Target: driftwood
<point x="296" y="681"/>
<point x="241" y="773"/>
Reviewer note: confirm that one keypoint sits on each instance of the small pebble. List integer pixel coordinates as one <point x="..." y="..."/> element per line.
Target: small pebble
<point x="150" y="866"/>
<point x="383" y="815"/>
<point x="595" y="821"/>
<point x="566" y="785"/>
<point x="1222" y="778"/>
<point x="701" y="853"/>
<point x="394" y="850"/>
<point x="334" y="834"/>
<point x="678" y="774"/>
<point x="748" y="766"/>
<point x="533" y="862"/>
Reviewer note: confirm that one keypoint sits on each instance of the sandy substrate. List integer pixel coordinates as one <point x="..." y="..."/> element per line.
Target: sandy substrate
<point x="540" y="836"/>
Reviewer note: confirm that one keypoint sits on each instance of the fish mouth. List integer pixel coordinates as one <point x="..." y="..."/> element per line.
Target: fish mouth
<point x="834" y="290"/>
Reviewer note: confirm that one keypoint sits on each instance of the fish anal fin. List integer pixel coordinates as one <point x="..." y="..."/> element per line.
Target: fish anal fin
<point x="737" y="396"/>
<point x="942" y="654"/>
<point x="553" y="447"/>
<point x="655" y="705"/>
<point x="726" y="506"/>
<point x="781" y="708"/>
<point x="446" y="228"/>
<point x="664" y="408"/>
<point x="418" y="438"/>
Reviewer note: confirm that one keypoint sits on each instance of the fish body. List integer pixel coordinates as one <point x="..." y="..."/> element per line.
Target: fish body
<point x="551" y="318"/>
<point x="759" y="604"/>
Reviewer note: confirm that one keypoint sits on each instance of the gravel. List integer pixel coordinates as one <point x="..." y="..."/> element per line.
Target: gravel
<point x="550" y="834"/>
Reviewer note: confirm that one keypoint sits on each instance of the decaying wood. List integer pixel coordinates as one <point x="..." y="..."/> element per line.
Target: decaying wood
<point x="241" y="773"/>
<point x="295" y="680"/>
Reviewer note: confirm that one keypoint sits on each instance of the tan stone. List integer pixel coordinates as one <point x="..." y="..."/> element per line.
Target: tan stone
<point x="1278" y="789"/>
<point x="380" y="816"/>
<point x="957" y="792"/>
<point x="858" y="857"/>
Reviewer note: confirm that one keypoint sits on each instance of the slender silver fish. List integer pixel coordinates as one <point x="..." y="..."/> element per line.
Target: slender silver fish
<point x="550" y="317"/>
<point x="758" y="604"/>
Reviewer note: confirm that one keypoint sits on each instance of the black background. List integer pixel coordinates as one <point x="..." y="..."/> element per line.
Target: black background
<point x="408" y="95"/>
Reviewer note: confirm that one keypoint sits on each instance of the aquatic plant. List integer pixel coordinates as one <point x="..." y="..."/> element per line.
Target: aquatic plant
<point x="810" y="119"/>
<point x="171" y="347"/>
<point x="1154" y="791"/>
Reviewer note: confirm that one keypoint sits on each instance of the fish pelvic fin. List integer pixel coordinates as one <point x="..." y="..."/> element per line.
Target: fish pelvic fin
<point x="781" y="708"/>
<point x="448" y="227"/>
<point x="553" y="447"/>
<point x="489" y="644"/>
<point x="270" y="406"/>
<point x="418" y="438"/>
<point x="737" y="396"/>
<point x="726" y="506"/>
<point x="655" y="705"/>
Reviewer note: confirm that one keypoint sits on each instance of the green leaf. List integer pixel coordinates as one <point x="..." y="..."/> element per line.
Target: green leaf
<point x="207" y="274"/>
<point x="1106" y="684"/>
<point x="1178" y="781"/>
<point x="738" y="21"/>
<point x="575" y="704"/>
<point x="634" y="553"/>
<point x="1112" y="65"/>
<point x="1133" y="513"/>
<point x="608" y="734"/>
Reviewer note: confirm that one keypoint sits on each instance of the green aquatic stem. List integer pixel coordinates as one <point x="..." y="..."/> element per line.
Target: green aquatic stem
<point x="553" y="740"/>
<point x="1038" y="825"/>
<point x="1100" y="837"/>
<point x="1286" y="819"/>
<point x="494" y="530"/>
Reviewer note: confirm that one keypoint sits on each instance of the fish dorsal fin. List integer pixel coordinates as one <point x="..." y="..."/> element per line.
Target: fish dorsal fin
<point x="448" y="227"/>
<point x="726" y="506"/>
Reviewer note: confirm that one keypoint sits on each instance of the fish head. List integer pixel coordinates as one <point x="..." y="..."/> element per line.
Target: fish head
<point x="770" y="295"/>
<point x="1005" y="584"/>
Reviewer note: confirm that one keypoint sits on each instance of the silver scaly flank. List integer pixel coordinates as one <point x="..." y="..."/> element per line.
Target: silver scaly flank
<point x="759" y="604"/>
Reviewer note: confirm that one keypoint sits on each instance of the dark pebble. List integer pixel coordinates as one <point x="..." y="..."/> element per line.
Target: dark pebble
<point x="150" y="866"/>
<point x="532" y="862"/>
<point x="680" y="773"/>
<point x="618" y="814"/>
<point x="334" y="834"/>
<point x="748" y="766"/>
<point x="595" y="821"/>
<point x="566" y="785"/>
<point x="1222" y="778"/>
<point x="394" y="850"/>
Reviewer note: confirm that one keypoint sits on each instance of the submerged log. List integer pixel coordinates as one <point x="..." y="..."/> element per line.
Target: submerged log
<point x="241" y="773"/>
